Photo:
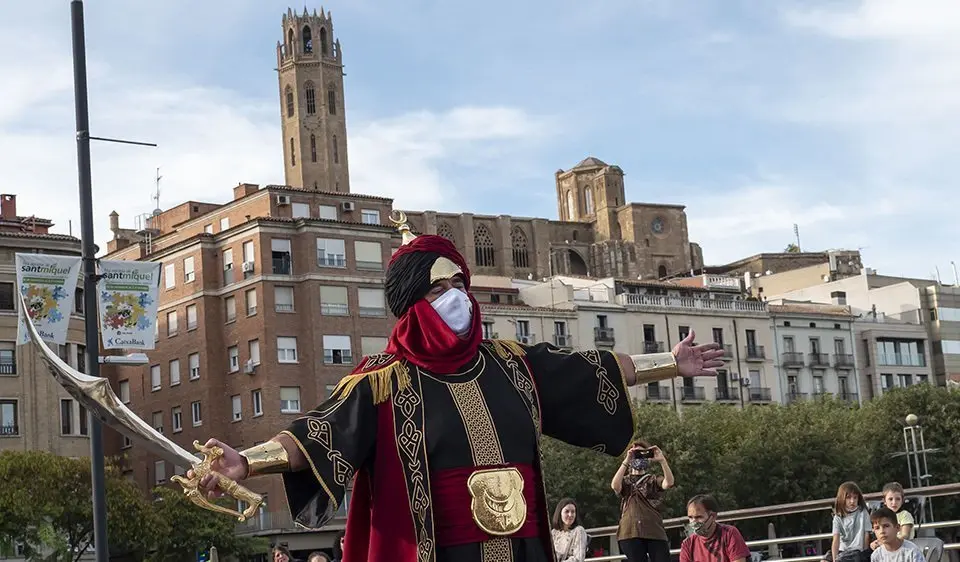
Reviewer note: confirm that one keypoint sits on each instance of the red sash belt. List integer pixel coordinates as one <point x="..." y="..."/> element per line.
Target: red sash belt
<point x="452" y="519"/>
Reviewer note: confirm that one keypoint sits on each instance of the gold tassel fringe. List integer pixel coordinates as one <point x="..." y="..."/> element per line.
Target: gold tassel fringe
<point x="506" y="348"/>
<point x="381" y="382"/>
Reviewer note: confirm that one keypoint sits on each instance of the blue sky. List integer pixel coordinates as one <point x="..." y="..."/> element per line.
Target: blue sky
<point x="840" y="116"/>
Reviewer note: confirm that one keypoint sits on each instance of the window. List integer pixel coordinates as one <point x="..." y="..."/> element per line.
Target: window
<point x="484" y="247"/>
<point x="191" y="317"/>
<point x="372" y="302"/>
<point x="328" y="212"/>
<point x="125" y="392"/>
<point x="253" y="349"/>
<point x="521" y="255"/>
<point x="159" y="472"/>
<point x="6" y="296"/>
<point x="840" y="346"/>
<point x="251" y="298"/>
<point x="488" y="333"/>
<point x="73" y="418"/>
<point x="230" y="307"/>
<point x="311" y="95"/>
<point x="369" y="255"/>
<point x="234" y="358"/>
<point x="78" y="300"/>
<point x="588" y="196"/>
<point x="331" y="253"/>
<point x="281" y="256"/>
<point x="283" y="298"/>
<point x="301" y="210"/>
<point x="208" y="228"/>
<point x="369" y="216"/>
<point x="176" y="419"/>
<point x="293" y="153"/>
<point x="683" y="331"/>
<point x="286" y="350"/>
<point x="224" y="223"/>
<point x="336" y="350"/>
<point x="174" y="372"/>
<point x="718" y="336"/>
<point x="905" y="380"/>
<point x="158" y="421"/>
<point x="371" y="345"/>
<point x="126" y="444"/>
<point x="333" y="301"/>
<point x="336" y="149"/>
<point x="82" y="358"/>
<point x="307" y="38"/>
<point x="662" y="272"/>
<point x="9" y="419"/>
<point x="788" y="344"/>
<point x="193" y="360"/>
<point x="288" y="94"/>
<point x="170" y="276"/>
<point x="289" y="399"/>
<point x="172" y="325"/>
<point x="332" y="102"/>
<point x="197" y="413"/>
<point x="523" y="330"/>
<point x="8" y="358"/>
<point x="248" y="253"/>
<point x="235" y="406"/>
<point x="155" y="377"/>
<point x="227" y="266"/>
<point x="188" y="273"/>
<point x="313" y="147"/>
<point x="257" y="399"/>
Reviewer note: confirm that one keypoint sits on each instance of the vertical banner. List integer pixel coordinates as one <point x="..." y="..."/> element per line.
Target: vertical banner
<point x="47" y="284"/>
<point x="128" y="292"/>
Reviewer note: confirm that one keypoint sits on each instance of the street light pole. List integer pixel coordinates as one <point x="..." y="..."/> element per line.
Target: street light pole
<point x="88" y="253"/>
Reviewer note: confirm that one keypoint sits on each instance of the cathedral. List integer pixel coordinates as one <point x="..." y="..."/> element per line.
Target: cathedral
<point x="598" y="234"/>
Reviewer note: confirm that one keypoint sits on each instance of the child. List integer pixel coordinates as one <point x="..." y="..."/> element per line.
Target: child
<point x="851" y="525"/>
<point x="892" y="546"/>
<point x="893" y="499"/>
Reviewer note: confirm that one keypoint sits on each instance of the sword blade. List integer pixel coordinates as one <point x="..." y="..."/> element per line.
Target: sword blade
<point x="96" y="395"/>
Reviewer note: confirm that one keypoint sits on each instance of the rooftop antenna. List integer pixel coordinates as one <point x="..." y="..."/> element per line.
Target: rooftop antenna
<point x="796" y="234"/>
<point x="956" y="278"/>
<point x="156" y="195"/>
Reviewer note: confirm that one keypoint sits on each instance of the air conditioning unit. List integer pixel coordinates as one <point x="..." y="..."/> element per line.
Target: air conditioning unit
<point x="249" y="367"/>
<point x="283" y="199"/>
<point x="348" y="205"/>
<point x="247" y="267"/>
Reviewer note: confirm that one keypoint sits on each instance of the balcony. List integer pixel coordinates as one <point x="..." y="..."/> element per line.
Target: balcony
<point x="9" y="430"/>
<point x="653" y="347"/>
<point x="843" y="360"/>
<point x="729" y="394"/>
<point x="333" y="309"/>
<point x="727" y="351"/>
<point x="819" y="360"/>
<point x="603" y="336"/>
<point x="564" y="341"/>
<point x="851" y="397"/>
<point x="331" y="260"/>
<point x="692" y="394"/>
<point x="370" y="265"/>
<point x="792" y="359"/>
<point x="901" y="360"/>
<point x="8" y="367"/>
<point x="279" y="307"/>
<point x="792" y="397"/>
<point x="658" y="393"/>
<point x="760" y="394"/>
<point x="282" y="264"/>
<point x="634" y="300"/>
<point x="755" y="352"/>
<point x="527" y="339"/>
<point x="373" y="311"/>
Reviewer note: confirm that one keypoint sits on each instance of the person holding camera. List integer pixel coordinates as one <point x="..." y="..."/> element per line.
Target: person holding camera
<point x="641" y="535"/>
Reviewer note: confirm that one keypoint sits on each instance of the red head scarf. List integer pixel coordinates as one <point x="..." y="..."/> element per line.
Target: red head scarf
<point x="420" y="335"/>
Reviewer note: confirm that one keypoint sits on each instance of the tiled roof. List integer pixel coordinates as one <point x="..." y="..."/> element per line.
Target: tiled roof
<point x="590" y="162"/>
<point x="334" y="193"/>
<point x="62" y="237"/>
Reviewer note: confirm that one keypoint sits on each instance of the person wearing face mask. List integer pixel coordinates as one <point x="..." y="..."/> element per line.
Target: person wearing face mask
<point x="440" y="434"/>
<point x="708" y="540"/>
<point x="641" y="535"/>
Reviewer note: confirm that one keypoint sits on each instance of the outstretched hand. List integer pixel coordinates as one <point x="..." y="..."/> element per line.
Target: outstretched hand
<point x="697" y="360"/>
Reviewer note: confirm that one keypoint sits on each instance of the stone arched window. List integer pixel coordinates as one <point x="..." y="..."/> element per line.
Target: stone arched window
<point x="323" y="40"/>
<point x="307" y="40"/>
<point x="290" y="43"/>
<point x="588" y="194"/>
<point x="313" y="147"/>
<point x="571" y="207"/>
<point x="521" y="255"/>
<point x="662" y="272"/>
<point x="336" y="150"/>
<point x="485" y="253"/>
<point x="310" y="96"/>
<point x="444" y="229"/>
<point x="331" y="102"/>
<point x="288" y="95"/>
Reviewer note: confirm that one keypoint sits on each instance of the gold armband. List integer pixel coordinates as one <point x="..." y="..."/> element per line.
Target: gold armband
<point x="266" y="458"/>
<point x="653" y="367"/>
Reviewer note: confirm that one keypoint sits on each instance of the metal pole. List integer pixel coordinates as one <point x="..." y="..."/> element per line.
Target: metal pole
<point x="88" y="252"/>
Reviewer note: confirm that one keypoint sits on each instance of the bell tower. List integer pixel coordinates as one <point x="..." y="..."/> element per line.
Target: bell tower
<point x="312" y="110"/>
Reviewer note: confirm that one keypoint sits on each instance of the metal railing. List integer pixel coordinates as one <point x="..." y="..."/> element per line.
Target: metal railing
<point x="843" y="360"/>
<point x="729" y="394"/>
<point x="785" y="509"/>
<point x="792" y="358"/>
<point x="653" y="347"/>
<point x="819" y="360"/>
<point x="603" y="335"/>
<point x="692" y="394"/>
<point x="755" y="352"/>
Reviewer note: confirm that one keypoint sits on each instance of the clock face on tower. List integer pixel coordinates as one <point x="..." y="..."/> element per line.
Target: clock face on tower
<point x="311" y="122"/>
<point x="657" y="225"/>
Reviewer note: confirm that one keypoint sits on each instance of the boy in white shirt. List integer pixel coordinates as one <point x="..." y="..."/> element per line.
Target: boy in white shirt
<point x="892" y="547"/>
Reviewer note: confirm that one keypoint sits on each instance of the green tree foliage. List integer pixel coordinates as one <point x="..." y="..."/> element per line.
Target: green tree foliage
<point x="792" y="249"/>
<point x="765" y="455"/>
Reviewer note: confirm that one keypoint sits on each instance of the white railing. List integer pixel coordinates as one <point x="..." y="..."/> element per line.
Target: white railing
<point x="721" y="282"/>
<point x="690" y="303"/>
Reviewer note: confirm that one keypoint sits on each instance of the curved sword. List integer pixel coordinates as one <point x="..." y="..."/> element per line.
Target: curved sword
<point x="96" y="395"/>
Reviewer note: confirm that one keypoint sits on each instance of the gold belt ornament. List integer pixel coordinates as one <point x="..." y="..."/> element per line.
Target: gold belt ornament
<point x="496" y="500"/>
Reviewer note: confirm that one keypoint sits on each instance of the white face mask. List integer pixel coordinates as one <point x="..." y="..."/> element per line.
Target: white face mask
<point x="456" y="310"/>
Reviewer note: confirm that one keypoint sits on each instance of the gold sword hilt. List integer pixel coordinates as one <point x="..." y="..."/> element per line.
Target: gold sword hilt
<point x="191" y="486"/>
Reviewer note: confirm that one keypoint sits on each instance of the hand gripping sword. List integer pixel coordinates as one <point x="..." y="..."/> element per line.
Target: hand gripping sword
<point x="96" y="395"/>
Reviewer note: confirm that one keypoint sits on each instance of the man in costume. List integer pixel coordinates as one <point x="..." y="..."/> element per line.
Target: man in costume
<point x="440" y="434"/>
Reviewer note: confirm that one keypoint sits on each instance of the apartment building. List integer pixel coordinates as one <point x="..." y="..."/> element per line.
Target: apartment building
<point x="644" y="317"/>
<point x="36" y="413"/>
<point x="265" y="303"/>
<point x="941" y="305"/>
<point x="504" y="316"/>
<point x="891" y="353"/>
<point x="814" y="351"/>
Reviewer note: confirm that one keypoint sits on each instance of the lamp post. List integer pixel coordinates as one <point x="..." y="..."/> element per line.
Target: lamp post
<point x="915" y="451"/>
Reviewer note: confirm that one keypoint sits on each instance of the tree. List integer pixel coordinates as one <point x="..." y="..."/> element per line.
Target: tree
<point x="183" y="529"/>
<point x="792" y="249"/>
<point x="45" y="504"/>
